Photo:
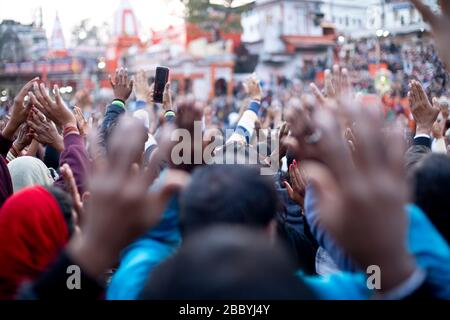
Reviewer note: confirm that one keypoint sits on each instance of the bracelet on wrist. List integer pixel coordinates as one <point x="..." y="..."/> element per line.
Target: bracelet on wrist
<point x="14" y="151"/>
<point x="169" y="113"/>
<point x="119" y="102"/>
<point x="70" y="130"/>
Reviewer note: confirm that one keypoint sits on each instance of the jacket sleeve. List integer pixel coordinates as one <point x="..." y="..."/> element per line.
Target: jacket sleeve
<point x="6" y="188"/>
<point x="113" y="112"/>
<point x="246" y="125"/>
<point x="421" y="147"/>
<point x="324" y="239"/>
<point x="5" y="145"/>
<point x="76" y="157"/>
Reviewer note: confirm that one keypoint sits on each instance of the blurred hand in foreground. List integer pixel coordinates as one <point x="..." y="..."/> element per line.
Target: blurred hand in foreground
<point x="440" y="25"/>
<point x="120" y="206"/>
<point x="361" y="202"/>
<point x="337" y="85"/>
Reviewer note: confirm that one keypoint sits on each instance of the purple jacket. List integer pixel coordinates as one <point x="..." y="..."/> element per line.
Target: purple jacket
<point x="6" y="188"/>
<point x="76" y="157"/>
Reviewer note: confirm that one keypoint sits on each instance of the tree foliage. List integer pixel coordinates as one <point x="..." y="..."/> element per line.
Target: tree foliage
<point x="209" y="16"/>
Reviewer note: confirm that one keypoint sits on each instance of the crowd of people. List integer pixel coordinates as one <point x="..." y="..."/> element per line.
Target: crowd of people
<point x="299" y="195"/>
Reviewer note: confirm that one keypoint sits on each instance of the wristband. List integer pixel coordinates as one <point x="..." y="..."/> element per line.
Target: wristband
<point x="70" y="130"/>
<point x="118" y="102"/>
<point x="169" y="113"/>
<point x="10" y="156"/>
<point x="14" y="151"/>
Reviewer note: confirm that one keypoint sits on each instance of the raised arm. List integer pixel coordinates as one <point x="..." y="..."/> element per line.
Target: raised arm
<point x="74" y="153"/>
<point x="425" y="114"/>
<point x="19" y="114"/>
<point x="122" y="86"/>
<point x="116" y="188"/>
<point x="246" y="125"/>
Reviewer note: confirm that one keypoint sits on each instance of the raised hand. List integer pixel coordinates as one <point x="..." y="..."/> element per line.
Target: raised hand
<point x="282" y="135"/>
<point x="71" y="186"/>
<point x="440" y="25"/>
<point x="253" y="88"/>
<point x="82" y="123"/>
<point x="305" y="138"/>
<point x="188" y="113"/>
<point x="44" y="130"/>
<point x="83" y="99"/>
<point x="296" y="190"/>
<point x="122" y="85"/>
<point x="141" y="87"/>
<point x="23" y="140"/>
<point x="54" y="109"/>
<point x="337" y="85"/>
<point x="361" y="204"/>
<point x="20" y="110"/>
<point x="442" y="106"/>
<point x="120" y="206"/>
<point x="167" y="97"/>
<point x="425" y="114"/>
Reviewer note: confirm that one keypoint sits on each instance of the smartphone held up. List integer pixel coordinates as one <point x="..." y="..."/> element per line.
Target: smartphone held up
<point x="161" y="79"/>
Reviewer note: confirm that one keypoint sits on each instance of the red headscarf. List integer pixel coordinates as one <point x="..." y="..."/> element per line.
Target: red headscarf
<point x="32" y="233"/>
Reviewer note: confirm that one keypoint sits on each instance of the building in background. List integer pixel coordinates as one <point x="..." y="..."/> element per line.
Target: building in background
<point x="289" y="37"/>
<point x="21" y="42"/>
<point x="299" y="38"/>
<point x="209" y="53"/>
<point x="396" y="16"/>
<point x="201" y="52"/>
<point x="125" y="36"/>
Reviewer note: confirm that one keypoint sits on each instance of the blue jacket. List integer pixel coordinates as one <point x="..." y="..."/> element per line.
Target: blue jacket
<point x="142" y="256"/>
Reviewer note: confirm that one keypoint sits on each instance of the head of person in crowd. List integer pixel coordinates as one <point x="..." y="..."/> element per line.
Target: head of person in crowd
<point x="35" y="224"/>
<point x="228" y="194"/>
<point x="227" y="262"/>
<point x="431" y="190"/>
<point x="29" y="171"/>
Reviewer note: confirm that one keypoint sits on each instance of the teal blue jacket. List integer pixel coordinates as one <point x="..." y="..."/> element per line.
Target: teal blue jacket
<point x="139" y="260"/>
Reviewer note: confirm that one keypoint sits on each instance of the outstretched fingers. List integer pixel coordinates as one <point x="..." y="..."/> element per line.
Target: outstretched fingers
<point x="317" y="93"/>
<point x="24" y="90"/>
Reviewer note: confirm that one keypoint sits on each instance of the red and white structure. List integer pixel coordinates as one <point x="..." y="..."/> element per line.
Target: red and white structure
<point x="57" y="41"/>
<point x="125" y="35"/>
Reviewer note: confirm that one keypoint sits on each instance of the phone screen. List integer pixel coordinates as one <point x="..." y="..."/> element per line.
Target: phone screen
<point x="161" y="78"/>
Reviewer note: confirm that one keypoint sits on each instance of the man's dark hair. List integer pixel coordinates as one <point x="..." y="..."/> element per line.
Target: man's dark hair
<point x="431" y="182"/>
<point x="230" y="194"/>
<point x="226" y="263"/>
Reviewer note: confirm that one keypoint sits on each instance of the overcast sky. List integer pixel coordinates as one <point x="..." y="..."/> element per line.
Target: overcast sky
<point x="156" y="14"/>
